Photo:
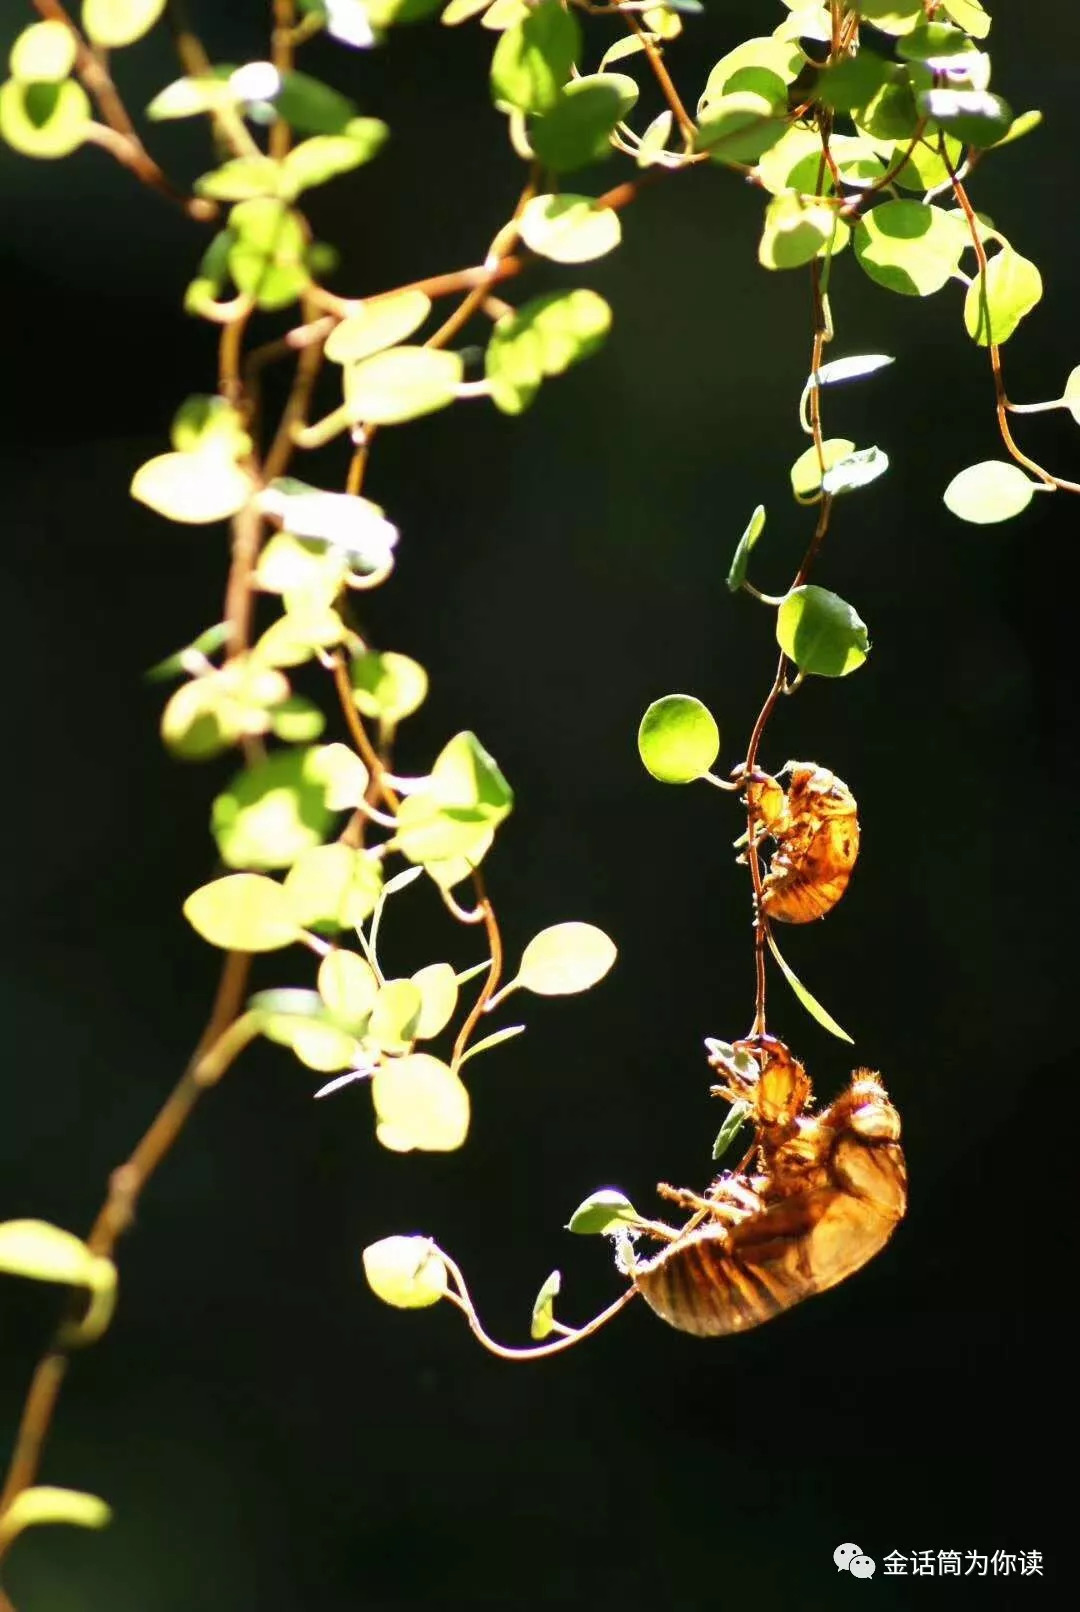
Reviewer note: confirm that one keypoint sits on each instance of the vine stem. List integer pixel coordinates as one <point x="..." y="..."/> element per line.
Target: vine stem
<point x="495" y="951"/>
<point x="465" y="1304"/>
<point x="225" y="1036"/>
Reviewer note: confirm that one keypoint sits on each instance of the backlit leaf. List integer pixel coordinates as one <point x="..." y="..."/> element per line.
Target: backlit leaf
<point x="809" y="1002"/>
<point x="533" y="59"/>
<point x="568" y="228"/>
<point x="577" y="129"/>
<point x="565" y="959"/>
<point x="44" y="120"/>
<point x="910" y="247"/>
<point x="740" y="560"/>
<point x="45" y="1504"/>
<point x="243" y="912"/>
<point x="821" y="632"/>
<point x="678" y="739"/>
<point x="387" y="686"/>
<point x="419" y="1103"/>
<point x="997" y="302"/>
<point x="44" y="53"/>
<point x="542" y="338"/>
<point x="401" y="384"/>
<point x="192" y="487"/>
<point x="602" y="1212"/>
<point x="407" y="1272"/>
<point x="994" y="490"/>
<point x="112" y="23"/>
<point x="378" y="324"/>
<point x="43" y="1252"/>
<point x="543" y="1310"/>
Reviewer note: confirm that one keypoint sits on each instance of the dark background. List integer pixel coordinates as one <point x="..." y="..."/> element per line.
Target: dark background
<point x="268" y="1434"/>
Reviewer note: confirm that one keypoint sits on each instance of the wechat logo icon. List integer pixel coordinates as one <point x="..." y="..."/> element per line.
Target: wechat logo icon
<point x="850" y="1559"/>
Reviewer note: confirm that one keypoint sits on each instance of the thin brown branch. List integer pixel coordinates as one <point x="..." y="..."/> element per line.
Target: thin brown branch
<point x="494" y="974"/>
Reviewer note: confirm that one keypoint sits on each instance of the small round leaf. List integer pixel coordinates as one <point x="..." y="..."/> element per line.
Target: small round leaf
<point x="821" y="632"/>
<point x="741" y="559"/>
<point x="678" y="739"/>
<point x="602" y="1212"/>
<point x="244" y="912"/>
<point x="407" y="1272"/>
<point x="543" y="1311"/>
<point x="44" y="53"/>
<point x="994" y="490"/>
<point x="565" y="959"/>
<point x="113" y="23"/>
<point x="568" y="228"/>
<point x="419" y="1103"/>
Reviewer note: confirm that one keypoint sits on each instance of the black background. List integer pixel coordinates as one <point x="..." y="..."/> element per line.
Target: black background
<point x="268" y="1434"/>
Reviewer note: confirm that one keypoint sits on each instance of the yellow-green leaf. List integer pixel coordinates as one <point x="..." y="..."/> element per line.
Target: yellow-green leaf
<point x="45" y="1504"/>
<point x="809" y="1002"/>
<point x="407" y="1272"/>
<point x="437" y="984"/>
<point x="383" y="322"/>
<point x="349" y="987"/>
<point x="543" y="1311"/>
<point x="333" y="887"/>
<point x="401" y="384"/>
<point x="997" y="302"/>
<point x="387" y="686"/>
<point x="419" y="1103"/>
<point x="44" y="53"/>
<point x="565" y="959"/>
<point x="568" y="228"/>
<point x="44" y="120"/>
<point x="45" y="1253"/>
<point x="243" y="912"/>
<point x="112" y="23"/>
<point x="194" y="488"/>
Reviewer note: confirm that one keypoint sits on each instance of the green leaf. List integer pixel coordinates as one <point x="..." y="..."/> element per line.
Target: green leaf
<point x="300" y="1021"/>
<point x="856" y="470"/>
<point x="806" y="471"/>
<point x="324" y="156"/>
<point x="272" y="812"/>
<point x="44" y="53"/>
<point x="533" y="60"/>
<point x="44" y="120"/>
<point x="243" y="912"/>
<point x="739" y="127"/>
<point x="892" y="114"/>
<point x="796" y="230"/>
<point x="466" y="778"/>
<point x="849" y="369"/>
<point x="853" y="81"/>
<point x="267" y="258"/>
<point x="112" y="23"/>
<point x="565" y="959"/>
<point x="194" y="488"/>
<point x="821" y="632"/>
<point x="349" y="987"/>
<point x="997" y="302"/>
<point x="43" y="1252"/>
<point x="189" y="97"/>
<point x="568" y="228"/>
<point x="1021" y="125"/>
<point x="1071" y="394"/>
<point x="407" y="1272"/>
<point x="655" y="138"/>
<point x="205" y="422"/>
<point x="45" y="1504"/>
<point x="737" y="1117"/>
<point x="438" y="987"/>
<point x="809" y="1002"/>
<point x="207" y="643"/>
<point x="969" y="15"/>
<point x="387" y="686"/>
<point x="486" y="1043"/>
<point x="332" y="887"/>
<point x="341" y="773"/>
<point x="241" y="179"/>
<point x="994" y="490"/>
<point x="381" y="323"/>
<point x="578" y="128"/>
<point x="311" y="107"/>
<point x="297" y="720"/>
<point x="449" y="846"/>
<point x="678" y="739"/>
<point x="909" y="247"/>
<point x="419" y="1103"/>
<point x="740" y="560"/>
<point x="782" y="59"/>
<point x="214" y="710"/>
<point x="892" y="16"/>
<point x="974" y="116"/>
<point x="401" y="384"/>
<point x="806" y="22"/>
<point x="602" y="1212"/>
<point x="395" y="1015"/>
<point x="542" y="338"/>
<point x="543" y="1310"/>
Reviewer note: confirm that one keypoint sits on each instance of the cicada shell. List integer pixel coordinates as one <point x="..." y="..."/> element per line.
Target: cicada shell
<point x="815" y="825"/>
<point x="831" y="1190"/>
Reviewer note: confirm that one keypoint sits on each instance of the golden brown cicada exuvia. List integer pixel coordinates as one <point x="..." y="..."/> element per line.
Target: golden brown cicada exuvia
<point x="828" y="1191"/>
<point x="815" y="824"/>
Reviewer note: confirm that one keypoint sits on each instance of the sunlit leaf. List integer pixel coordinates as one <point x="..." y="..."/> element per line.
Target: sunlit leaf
<point x="737" y="1116"/>
<point x="969" y="15"/>
<point x="678" y="739"/>
<point x="806" y="471"/>
<point x="508" y="1033"/>
<point x="311" y="107"/>
<point x="544" y="337"/>
<point x="568" y="228"/>
<point x="543" y="1310"/>
<point x="324" y="156"/>
<point x="809" y="1002"/>
<point x="243" y="912"/>
<point x="342" y="774"/>
<point x="349" y="986"/>
<point x="1021" y="125"/>
<point x="997" y="302"/>
<point x="44" y="53"/>
<point x="855" y="470"/>
<point x="566" y="958"/>
<point x="112" y="23"/>
<point x="909" y="247"/>
<point x="533" y="59"/>
<point x="577" y="129"/>
<point x="994" y="490"/>
<point x="333" y="887"/>
<point x="401" y="384"/>
<point x="192" y="487"/>
<point x="44" y="120"/>
<point x="395" y="1015"/>
<point x="737" y="574"/>
<point x="419" y="1103"/>
<point x="795" y="231"/>
<point x="45" y="1504"/>
<point x="43" y="1252"/>
<point x="849" y="369"/>
<point x="272" y="812"/>
<point x="407" y="1272"/>
<point x="387" y="686"/>
<point x="438" y="987"/>
<point x="739" y="127"/>
<point x="383" y="322"/>
<point x="821" y="632"/>
<point x="892" y="16"/>
<point x="974" y="116"/>
<point x="267" y="259"/>
<point x="602" y="1212"/>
